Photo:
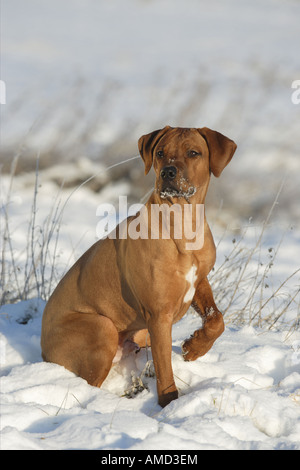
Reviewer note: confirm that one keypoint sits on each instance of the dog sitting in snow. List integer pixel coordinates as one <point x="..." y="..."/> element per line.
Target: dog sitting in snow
<point x="123" y="288"/>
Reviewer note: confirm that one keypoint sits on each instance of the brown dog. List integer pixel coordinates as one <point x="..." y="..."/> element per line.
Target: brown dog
<point x="122" y="288"/>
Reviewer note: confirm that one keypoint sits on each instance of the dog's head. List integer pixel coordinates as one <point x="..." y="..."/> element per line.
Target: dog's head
<point x="183" y="158"/>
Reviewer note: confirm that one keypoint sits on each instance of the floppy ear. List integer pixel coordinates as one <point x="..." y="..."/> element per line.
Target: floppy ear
<point x="146" y="145"/>
<point x="221" y="149"/>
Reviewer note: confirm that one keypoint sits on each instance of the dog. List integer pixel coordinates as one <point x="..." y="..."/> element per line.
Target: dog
<point x="122" y="289"/>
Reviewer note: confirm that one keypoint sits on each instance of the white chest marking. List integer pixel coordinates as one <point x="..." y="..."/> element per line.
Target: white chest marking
<point x="191" y="278"/>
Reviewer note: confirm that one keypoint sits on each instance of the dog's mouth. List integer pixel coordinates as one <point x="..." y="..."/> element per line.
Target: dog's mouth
<point x="174" y="192"/>
<point x="173" y="184"/>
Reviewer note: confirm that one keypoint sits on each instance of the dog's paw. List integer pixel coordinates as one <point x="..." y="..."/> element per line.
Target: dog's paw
<point x="165" y="399"/>
<point x="188" y="352"/>
<point x="196" y="346"/>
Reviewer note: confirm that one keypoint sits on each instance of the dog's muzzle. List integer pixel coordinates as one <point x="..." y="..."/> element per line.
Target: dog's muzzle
<point x="170" y="188"/>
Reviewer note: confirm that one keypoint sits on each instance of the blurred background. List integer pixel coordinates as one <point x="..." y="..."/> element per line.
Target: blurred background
<point x="86" y="78"/>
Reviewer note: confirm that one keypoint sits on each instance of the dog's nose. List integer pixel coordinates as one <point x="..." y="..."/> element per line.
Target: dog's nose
<point x="168" y="172"/>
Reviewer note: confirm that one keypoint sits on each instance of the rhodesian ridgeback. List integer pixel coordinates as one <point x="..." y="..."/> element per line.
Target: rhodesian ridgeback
<point x="122" y="288"/>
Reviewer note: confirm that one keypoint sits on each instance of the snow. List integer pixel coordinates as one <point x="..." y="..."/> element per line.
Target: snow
<point x="243" y="394"/>
<point x="86" y="79"/>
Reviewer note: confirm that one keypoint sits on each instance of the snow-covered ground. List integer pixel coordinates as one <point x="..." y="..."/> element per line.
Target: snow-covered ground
<point x="86" y="78"/>
<point x="244" y="394"/>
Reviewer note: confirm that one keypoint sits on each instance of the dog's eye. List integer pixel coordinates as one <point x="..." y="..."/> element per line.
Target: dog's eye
<point x="193" y="153"/>
<point x="160" y="154"/>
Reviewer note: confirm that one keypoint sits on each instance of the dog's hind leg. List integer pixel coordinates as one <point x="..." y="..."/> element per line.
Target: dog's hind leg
<point x="84" y="344"/>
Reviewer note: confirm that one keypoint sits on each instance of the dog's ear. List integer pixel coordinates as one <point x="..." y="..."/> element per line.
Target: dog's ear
<point x="146" y="145"/>
<point x="221" y="149"/>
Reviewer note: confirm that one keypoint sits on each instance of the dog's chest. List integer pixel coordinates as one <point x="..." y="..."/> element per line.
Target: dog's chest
<point x="191" y="278"/>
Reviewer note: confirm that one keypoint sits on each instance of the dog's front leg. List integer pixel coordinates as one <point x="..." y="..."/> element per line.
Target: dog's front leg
<point x="160" y="329"/>
<point x="213" y="324"/>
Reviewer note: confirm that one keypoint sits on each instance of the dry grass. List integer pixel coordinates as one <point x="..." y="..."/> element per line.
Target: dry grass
<point x="36" y="276"/>
<point x="244" y="284"/>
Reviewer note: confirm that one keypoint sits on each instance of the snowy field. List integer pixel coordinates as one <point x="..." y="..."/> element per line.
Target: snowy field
<point x="244" y="394"/>
<point x="84" y="80"/>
